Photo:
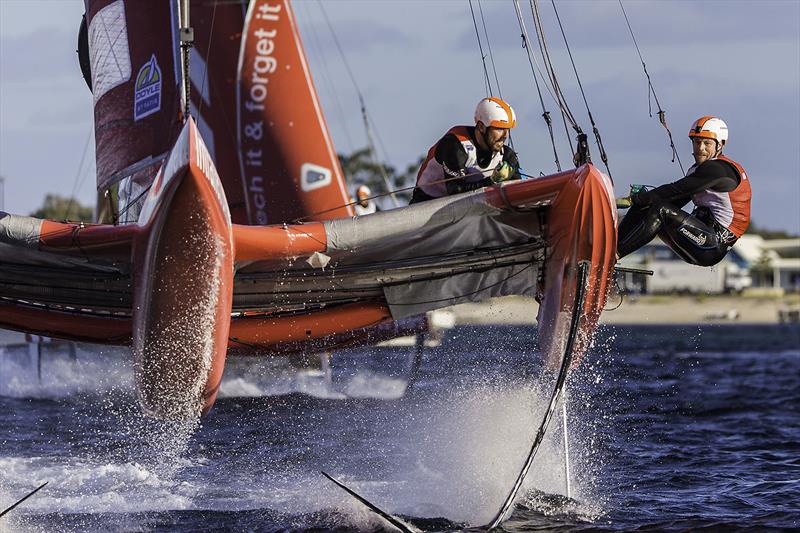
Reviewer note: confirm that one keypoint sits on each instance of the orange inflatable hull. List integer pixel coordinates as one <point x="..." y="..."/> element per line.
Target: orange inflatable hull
<point x="184" y="253"/>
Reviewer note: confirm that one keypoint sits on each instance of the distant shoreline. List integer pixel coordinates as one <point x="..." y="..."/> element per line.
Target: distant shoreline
<point x="649" y="309"/>
<point x="655" y="309"/>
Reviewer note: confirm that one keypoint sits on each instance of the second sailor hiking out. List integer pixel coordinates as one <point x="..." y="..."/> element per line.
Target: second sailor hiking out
<point x="720" y="190"/>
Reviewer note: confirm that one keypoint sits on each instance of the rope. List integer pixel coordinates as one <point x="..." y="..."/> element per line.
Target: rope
<point x="556" y="92"/>
<point x="208" y="60"/>
<point x="326" y="78"/>
<point x="531" y="61"/>
<point x="362" y="102"/>
<point x="403" y="189"/>
<point x="489" y="47"/>
<point x="78" y="179"/>
<point x="560" y="100"/>
<point x="130" y="204"/>
<point x="480" y="48"/>
<point x="494" y="69"/>
<point x="598" y="139"/>
<point x="650" y="89"/>
<point x="395" y="191"/>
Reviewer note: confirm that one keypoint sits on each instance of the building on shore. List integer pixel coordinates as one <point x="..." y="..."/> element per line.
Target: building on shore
<point x="752" y="263"/>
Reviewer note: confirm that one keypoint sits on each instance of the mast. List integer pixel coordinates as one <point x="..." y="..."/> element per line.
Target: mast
<point x="186" y="33"/>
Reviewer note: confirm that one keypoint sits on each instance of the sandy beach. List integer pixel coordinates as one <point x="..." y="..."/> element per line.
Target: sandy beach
<point x="640" y="310"/>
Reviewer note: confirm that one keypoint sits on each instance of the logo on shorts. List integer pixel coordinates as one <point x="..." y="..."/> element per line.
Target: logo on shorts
<point x="147" y="90"/>
<point x="699" y="239"/>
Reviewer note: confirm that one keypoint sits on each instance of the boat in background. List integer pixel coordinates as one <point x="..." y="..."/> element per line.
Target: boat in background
<point x="225" y="227"/>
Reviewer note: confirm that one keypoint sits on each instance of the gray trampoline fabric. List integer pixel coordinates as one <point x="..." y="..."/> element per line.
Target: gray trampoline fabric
<point x="19" y="230"/>
<point x="447" y="226"/>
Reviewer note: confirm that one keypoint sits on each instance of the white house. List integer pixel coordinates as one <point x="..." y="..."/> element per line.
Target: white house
<point x="774" y="263"/>
<point x="753" y="261"/>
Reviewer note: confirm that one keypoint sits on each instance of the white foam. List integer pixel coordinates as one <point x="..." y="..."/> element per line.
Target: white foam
<point x="464" y="452"/>
<point x="65" y="369"/>
<point x="81" y="486"/>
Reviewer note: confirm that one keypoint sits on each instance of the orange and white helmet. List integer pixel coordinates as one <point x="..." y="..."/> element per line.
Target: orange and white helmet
<point x="363" y="190"/>
<point x="496" y="113"/>
<point x="710" y="128"/>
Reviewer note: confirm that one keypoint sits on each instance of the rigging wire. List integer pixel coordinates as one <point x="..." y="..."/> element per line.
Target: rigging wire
<point x="207" y="61"/>
<point x="402" y="189"/>
<point x="367" y="125"/>
<point x="326" y="78"/>
<point x="118" y="216"/>
<point x="531" y="60"/>
<point x="650" y="89"/>
<point x="551" y="77"/>
<point x="598" y="139"/>
<point x="556" y="92"/>
<point x="76" y="183"/>
<point x="480" y="48"/>
<point x="494" y="69"/>
<point x="489" y="47"/>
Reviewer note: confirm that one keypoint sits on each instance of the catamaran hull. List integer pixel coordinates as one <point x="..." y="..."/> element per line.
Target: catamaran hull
<point x="180" y="306"/>
<point x="183" y="285"/>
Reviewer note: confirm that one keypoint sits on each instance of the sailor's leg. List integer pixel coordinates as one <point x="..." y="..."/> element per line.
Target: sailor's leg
<point x="695" y="241"/>
<point x="638" y="228"/>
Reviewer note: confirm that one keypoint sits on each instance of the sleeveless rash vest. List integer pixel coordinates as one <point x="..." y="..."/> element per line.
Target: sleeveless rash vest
<point x="432" y="174"/>
<point x="730" y="209"/>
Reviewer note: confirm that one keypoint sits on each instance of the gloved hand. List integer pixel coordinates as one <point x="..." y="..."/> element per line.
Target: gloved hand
<point x="502" y="172"/>
<point x="624" y="203"/>
<point x="635" y="194"/>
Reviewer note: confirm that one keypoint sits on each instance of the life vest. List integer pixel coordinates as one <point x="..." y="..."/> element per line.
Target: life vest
<point x="730" y="209"/>
<point x="432" y="174"/>
<point x="370" y="208"/>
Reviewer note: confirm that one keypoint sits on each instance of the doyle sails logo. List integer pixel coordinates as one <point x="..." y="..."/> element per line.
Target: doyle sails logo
<point x="147" y="91"/>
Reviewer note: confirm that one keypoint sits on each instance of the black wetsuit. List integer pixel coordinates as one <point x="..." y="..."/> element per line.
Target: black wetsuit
<point x="450" y="153"/>
<point x="697" y="238"/>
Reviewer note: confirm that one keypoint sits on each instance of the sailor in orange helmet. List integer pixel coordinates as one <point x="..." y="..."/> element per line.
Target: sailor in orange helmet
<point x="364" y="205"/>
<point x="717" y="185"/>
<point x="470" y="157"/>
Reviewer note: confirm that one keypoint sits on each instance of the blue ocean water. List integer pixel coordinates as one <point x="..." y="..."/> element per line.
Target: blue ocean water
<point x="669" y="428"/>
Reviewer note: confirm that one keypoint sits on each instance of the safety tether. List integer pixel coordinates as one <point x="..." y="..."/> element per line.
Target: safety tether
<point x="650" y="89"/>
<point x="596" y="131"/>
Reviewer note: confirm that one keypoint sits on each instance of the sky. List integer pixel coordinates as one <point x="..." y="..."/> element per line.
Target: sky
<point x="418" y="66"/>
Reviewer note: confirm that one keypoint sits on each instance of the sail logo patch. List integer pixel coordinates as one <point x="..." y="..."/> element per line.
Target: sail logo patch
<point x="147" y="90"/>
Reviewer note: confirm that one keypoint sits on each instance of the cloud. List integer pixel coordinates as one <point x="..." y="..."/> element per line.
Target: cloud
<point x="35" y="56"/>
